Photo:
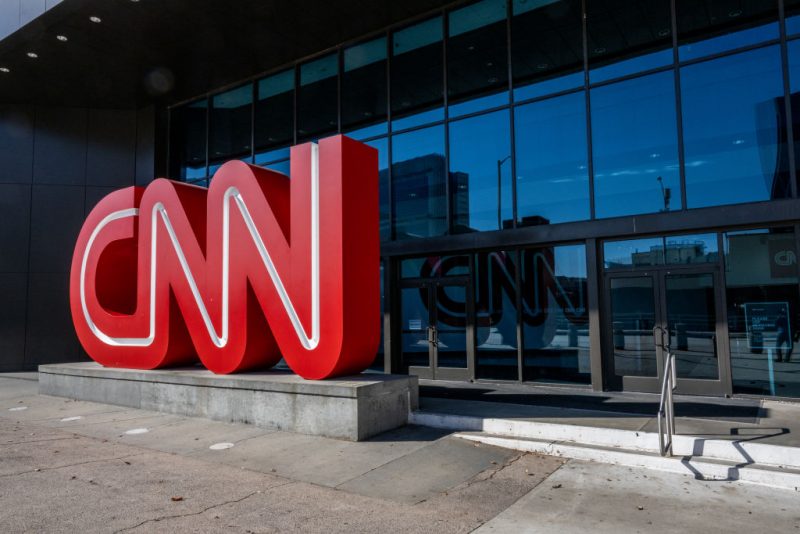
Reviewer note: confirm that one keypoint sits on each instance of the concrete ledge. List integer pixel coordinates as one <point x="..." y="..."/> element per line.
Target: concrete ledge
<point x="352" y="408"/>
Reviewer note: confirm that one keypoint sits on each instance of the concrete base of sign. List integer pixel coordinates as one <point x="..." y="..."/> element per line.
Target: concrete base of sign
<point x="352" y="408"/>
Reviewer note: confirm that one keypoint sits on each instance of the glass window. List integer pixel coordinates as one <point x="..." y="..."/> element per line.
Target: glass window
<point x="762" y="297"/>
<point x="555" y="321"/>
<point x="417" y="80"/>
<point x="552" y="168"/>
<point x="627" y="36"/>
<point x="382" y="146"/>
<point x="633" y="316"/>
<point x="633" y="253"/>
<point x="364" y="87"/>
<point x="480" y="173"/>
<point x="496" y="315"/>
<point x="435" y="266"/>
<point x="230" y="127"/>
<point x="280" y="166"/>
<point x="792" y="10"/>
<point x="188" y="141"/>
<point x="274" y="117"/>
<point x="317" y="98"/>
<point x="635" y="143"/>
<point x="734" y="134"/>
<point x="378" y="363"/>
<point x="546" y="47"/>
<point x="712" y="26"/>
<point x="698" y="248"/>
<point x="418" y="180"/>
<point x="793" y="48"/>
<point x="414" y="323"/>
<point x="477" y="61"/>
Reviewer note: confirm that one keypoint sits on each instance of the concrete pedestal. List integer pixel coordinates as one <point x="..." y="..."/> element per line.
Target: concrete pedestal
<point x="352" y="408"/>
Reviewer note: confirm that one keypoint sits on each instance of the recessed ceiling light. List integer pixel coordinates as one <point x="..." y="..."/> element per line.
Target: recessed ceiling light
<point x="96" y="20"/>
<point x="33" y="55"/>
<point x="62" y="38"/>
<point x="5" y="70"/>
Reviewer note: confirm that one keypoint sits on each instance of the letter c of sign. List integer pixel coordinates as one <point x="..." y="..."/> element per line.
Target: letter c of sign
<point x="252" y="269"/>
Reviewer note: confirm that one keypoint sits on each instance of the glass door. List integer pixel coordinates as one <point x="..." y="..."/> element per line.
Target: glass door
<point x="436" y="325"/>
<point x="677" y="310"/>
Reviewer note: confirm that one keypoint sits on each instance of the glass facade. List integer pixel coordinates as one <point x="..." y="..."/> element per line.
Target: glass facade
<point x="518" y="135"/>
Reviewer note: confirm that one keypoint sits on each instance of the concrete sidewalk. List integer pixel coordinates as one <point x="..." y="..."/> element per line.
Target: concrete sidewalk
<point x="70" y="466"/>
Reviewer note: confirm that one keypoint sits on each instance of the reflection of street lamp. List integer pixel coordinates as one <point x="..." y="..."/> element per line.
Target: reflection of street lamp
<point x="499" y="197"/>
<point x="665" y="192"/>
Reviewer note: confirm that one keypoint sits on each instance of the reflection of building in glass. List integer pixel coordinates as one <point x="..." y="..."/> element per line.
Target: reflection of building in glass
<point x="421" y="195"/>
<point x="674" y="253"/>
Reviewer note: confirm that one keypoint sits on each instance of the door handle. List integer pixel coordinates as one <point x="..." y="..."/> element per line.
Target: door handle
<point x="432" y="338"/>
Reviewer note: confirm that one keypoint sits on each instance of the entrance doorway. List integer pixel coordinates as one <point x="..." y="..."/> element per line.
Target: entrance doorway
<point x="436" y="328"/>
<point x="652" y="312"/>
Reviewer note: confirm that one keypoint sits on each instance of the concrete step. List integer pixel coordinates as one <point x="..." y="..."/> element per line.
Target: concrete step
<point x="735" y="451"/>
<point x="700" y="468"/>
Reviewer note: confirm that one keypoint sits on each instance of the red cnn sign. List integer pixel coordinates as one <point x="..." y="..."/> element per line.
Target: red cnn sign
<point x="255" y="267"/>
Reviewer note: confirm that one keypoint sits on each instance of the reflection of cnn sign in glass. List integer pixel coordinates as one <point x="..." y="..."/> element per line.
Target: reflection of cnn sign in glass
<point x="254" y="268"/>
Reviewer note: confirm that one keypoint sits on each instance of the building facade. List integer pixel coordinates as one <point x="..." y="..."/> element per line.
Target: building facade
<point x="569" y="188"/>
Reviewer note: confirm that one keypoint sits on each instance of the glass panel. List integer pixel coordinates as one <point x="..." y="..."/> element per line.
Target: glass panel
<point x="418" y="179"/>
<point x="633" y="316"/>
<point x="685" y="249"/>
<point x="480" y="173"/>
<point x="364" y="85"/>
<point x="317" y="98"/>
<point x="451" y="326"/>
<point x="382" y="146"/>
<point x="546" y="46"/>
<point x="496" y="315"/>
<point x="280" y="166"/>
<point x="188" y="141"/>
<point x="417" y="79"/>
<point x="792" y="9"/>
<point x="692" y="324"/>
<point x="793" y="48"/>
<point x="635" y="143"/>
<point x="477" y="62"/>
<point x="378" y="363"/>
<point x="712" y="26"/>
<point x="762" y="298"/>
<point x="628" y="36"/>
<point x="552" y="168"/>
<point x="414" y="323"/>
<point x="734" y="138"/>
<point x="435" y="266"/>
<point x="555" y="322"/>
<point x="633" y="253"/>
<point x="274" y="120"/>
<point x="230" y="127"/>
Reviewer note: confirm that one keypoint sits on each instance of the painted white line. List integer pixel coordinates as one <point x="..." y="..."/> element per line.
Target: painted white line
<point x="221" y="446"/>
<point x="73" y="418"/>
<point x="17" y="408"/>
<point x="137" y="431"/>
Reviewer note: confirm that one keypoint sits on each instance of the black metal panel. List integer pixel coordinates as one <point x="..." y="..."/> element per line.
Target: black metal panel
<point x="145" y="146"/>
<point x="15" y="204"/>
<point x="59" y="153"/>
<point x="111" y="151"/>
<point x="16" y="143"/>
<point x="50" y="335"/>
<point x="56" y="218"/>
<point x="13" y="289"/>
<point x="94" y="194"/>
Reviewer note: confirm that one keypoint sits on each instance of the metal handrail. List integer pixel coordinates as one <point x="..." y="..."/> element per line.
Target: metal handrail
<point x="666" y="408"/>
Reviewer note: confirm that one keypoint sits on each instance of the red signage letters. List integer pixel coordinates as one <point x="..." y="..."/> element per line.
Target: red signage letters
<point x="255" y="267"/>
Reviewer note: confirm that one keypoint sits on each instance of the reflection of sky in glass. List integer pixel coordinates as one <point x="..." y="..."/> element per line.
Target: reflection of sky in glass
<point x="634" y="137"/>
<point x="617" y="253"/>
<point x="552" y="175"/>
<point x="479" y="164"/>
<point x="570" y="261"/>
<point x="730" y="109"/>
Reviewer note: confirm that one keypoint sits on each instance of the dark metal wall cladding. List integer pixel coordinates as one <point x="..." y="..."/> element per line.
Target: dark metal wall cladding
<point x="55" y="165"/>
<point x="204" y="44"/>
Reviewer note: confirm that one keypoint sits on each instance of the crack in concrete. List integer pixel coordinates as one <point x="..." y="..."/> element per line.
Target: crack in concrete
<point x="56" y="468"/>
<point x="200" y="512"/>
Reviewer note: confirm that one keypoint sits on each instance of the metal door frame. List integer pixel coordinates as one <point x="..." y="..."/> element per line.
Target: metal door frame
<point x="433" y="371"/>
<point x="688" y="386"/>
